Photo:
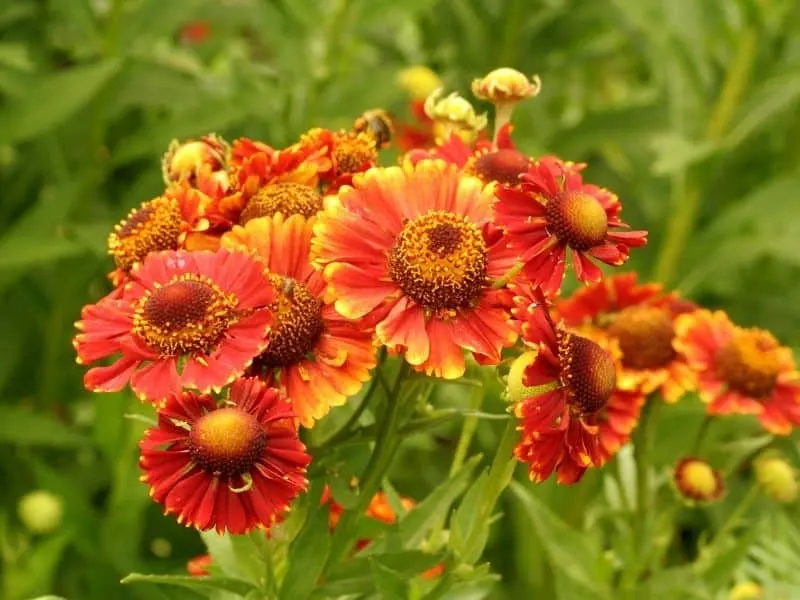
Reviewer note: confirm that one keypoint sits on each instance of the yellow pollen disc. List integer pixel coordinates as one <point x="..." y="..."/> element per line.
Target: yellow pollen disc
<point x="287" y="198"/>
<point x="439" y="260"/>
<point x="504" y="166"/>
<point x="577" y="218"/>
<point x="351" y="151"/>
<point x="699" y="478"/>
<point x="587" y="373"/>
<point x="188" y="315"/>
<point x="298" y="325"/>
<point x="154" y="226"/>
<point x="645" y="336"/>
<point x="749" y="364"/>
<point x="227" y="441"/>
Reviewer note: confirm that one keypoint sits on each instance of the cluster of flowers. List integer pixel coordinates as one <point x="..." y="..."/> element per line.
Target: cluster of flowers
<point x="252" y="296"/>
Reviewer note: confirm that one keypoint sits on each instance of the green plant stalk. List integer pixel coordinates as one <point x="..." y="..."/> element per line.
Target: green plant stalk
<point x="701" y="434"/>
<point x="733" y="519"/>
<point x="467" y="431"/>
<point x="687" y="200"/>
<point x="387" y="441"/>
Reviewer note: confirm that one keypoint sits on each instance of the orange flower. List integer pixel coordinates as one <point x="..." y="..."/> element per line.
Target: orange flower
<point x="184" y="319"/>
<point x="198" y="566"/>
<point x="640" y="317"/>
<point x="553" y="210"/>
<point x="185" y="161"/>
<point x="740" y="371"/>
<point x="230" y="467"/>
<point x="346" y="153"/>
<point x="413" y="248"/>
<point x="315" y="356"/>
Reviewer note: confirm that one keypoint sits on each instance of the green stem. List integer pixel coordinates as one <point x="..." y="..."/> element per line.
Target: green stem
<point x="701" y="433"/>
<point x="733" y="519"/>
<point x="386" y="444"/>
<point x="467" y="431"/>
<point x="507" y="277"/>
<point x="680" y="226"/>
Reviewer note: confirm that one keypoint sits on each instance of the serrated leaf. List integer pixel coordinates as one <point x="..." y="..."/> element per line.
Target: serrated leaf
<point x="307" y="555"/>
<point x="390" y="584"/>
<point x="570" y="551"/>
<point x="27" y="428"/>
<point x="52" y="99"/>
<point x="419" y="521"/>
<point x="202" y="584"/>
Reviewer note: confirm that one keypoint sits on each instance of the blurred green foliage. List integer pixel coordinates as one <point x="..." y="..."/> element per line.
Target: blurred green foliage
<point x="689" y="110"/>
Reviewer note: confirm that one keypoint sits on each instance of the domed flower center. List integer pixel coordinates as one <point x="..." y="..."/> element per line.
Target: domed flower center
<point x="188" y="315"/>
<point x="439" y="260"/>
<point x="645" y="336"/>
<point x="353" y="152"/>
<point x="298" y="325"/>
<point x="227" y="441"/>
<point x="504" y="166"/>
<point x="749" y="363"/>
<point x="287" y="198"/>
<point x="154" y="226"/>
<point x="587" y="373"/>
<point x="579" y="219"/>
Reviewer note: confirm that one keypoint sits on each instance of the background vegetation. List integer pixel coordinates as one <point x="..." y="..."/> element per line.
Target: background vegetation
<point x="688" y="109"/>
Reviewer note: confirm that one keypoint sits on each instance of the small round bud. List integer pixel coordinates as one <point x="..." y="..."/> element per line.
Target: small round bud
<point x="419" y="81"/>
<point x="697" y="481"/>
<point x="160" y="547"/>
<point x="40" y="511"/>
<point x="505" y="85"/>
<point x="746" y="590"/>
<point x="777" y="477"/>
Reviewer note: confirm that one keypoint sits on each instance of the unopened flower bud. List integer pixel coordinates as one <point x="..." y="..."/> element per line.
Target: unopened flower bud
<point x="516" y="389"/>
<point x="419" y="81"/>
<point x="697" y="481"/>
<point x="454" y="114"/>
<point x="505" y="85"/>
<point x="746" y="590"/>
<point x="184" y="160"/>
<point x="777" y="477"/>
<point x="40" y="511"/>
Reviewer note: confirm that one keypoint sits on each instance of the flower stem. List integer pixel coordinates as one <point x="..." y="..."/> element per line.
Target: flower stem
<point x="467" y="431"/>
<point x="733" y="519"/>
<point x="701" y="434"/>
<point x="682" y="221"/>
<point x="386" y="444"/>
<point x="507" y="277"/>
<point x="642" y="451"/>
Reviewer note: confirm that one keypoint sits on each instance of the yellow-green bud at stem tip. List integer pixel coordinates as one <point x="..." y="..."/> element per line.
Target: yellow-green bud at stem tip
<point x="40" y="511"/>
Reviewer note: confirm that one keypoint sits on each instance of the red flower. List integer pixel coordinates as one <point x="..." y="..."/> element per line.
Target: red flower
<point x="574" y="378"/>
<point x="640" y="318"/>
<point x="198" y="566"/>
<point x="552" y="210"/>
<point x="315" y="356"/>
<point x="419" y="133"/>
<point x="185" y="319"/>
<point x="413" y="248"/>
<point x="346" y="152"/>
<point x="232" y="466"/>
<point x="740" y="371"/>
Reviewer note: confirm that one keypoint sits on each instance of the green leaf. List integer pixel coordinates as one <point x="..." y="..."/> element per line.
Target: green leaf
<point x="390" y="584"/>
<point x="570" y="551"/>
<point x="27" y="428"/>
<point x="201" y="584"/>
<point x="35" y="573"/>
<point x="34" y="251"/>
<point x="718" y="570"/>
<point x="468" y="525"/>
<point x="237" y="556"/>
<point x="419" y="521"/>
<point x="53" y="99"/>
<point x="307" y="555"/>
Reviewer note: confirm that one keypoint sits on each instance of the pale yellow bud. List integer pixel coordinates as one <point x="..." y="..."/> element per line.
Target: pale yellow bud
<point x="777" y="477"/>
<point x="40" y="511"/>
<point x="506" y="85"/>
<point x="454" y="114"/>
<point x="419" y="81"/>
<point x="746" y="590"/>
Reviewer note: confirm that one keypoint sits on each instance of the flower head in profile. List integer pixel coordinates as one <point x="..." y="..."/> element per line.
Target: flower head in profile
<point x="573" y="379"/>
<point x="777" y="477"/>
<point x="413" y="249"/>
<point x="198" y="566"/>
<point x="185" y="161"/>
<point x="553" y="211"/>
<point x="453" y="115"/>
<point x="230" y="466"/>
<point x="315" y="356"/>
<point x="640" y="318"/>
<point x="739" y="370"/>
<point x="698" y="481"/>
<point x="343" y="154"/>
<point x="506" y="86"/>
<point x="184" y="319"/>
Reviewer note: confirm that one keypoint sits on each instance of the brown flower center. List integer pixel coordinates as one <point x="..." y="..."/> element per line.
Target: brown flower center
<point x="504" y="166"/>
<point x="298" y="325"/>
<point x="645" y="336"/>
<point x="439" y="260"/>
<point x="188" y="315"/>
<point x="587" y="373"/>
<point x="353" y="152"/>
<point x="154" y="226"/>
<point x="227" y="441"/>
<point x="577" y="218"/>
<point x="287" y="198"/>
<point x="749" y="363"/>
